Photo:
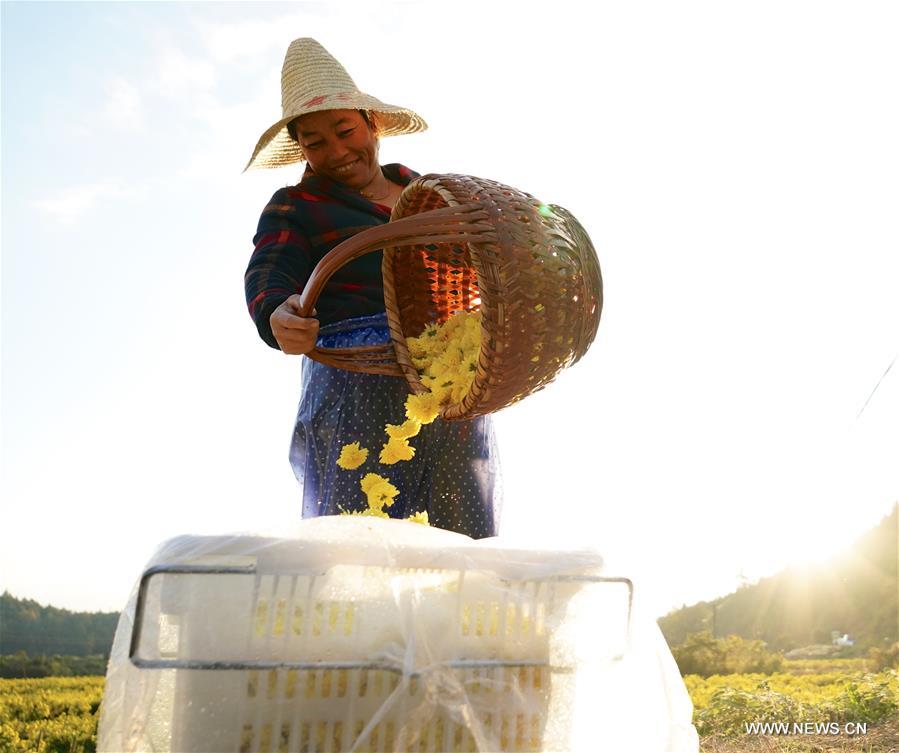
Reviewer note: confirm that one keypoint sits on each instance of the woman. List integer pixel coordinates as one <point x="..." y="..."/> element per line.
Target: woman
<point x="335" y="128"/>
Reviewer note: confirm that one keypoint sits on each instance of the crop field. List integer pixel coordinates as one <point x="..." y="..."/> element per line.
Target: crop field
<point x="799" y="712"/>
<point x="50" y="714"/>
<point x="848" y="711"/>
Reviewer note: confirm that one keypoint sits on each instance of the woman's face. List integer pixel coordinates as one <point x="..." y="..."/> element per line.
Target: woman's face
<point x="340" y="145"/>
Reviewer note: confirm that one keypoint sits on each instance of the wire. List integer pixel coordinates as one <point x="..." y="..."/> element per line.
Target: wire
<point x="876" y="386"/>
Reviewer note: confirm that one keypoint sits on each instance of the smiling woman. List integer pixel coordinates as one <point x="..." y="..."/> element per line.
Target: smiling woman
<point x="343" y="144"/>
<point x="335" y="128"/>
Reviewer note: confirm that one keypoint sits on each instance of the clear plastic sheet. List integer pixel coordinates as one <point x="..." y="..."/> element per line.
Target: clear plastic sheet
<point x="365" y="634"/>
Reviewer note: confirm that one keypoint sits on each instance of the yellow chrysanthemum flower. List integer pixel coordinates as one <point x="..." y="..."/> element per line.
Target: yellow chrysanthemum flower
<point x="442" y="389"/>
<point x="451" y="357"/>
<point x="405" y="430"/>
<point x="396" y="450"/>
<point x="423" y="408"/>
<point x="459" y="392"/>
<point x="352" y="456"/>
<point x="418" y="348"/>
<point x="438" y="368"/>
<point x="451" y="326"/>
<point x="471" y="341"/>
<point x="420" y="517"/>
<point x="369" y="480"/>
<point x="381" y="495"/>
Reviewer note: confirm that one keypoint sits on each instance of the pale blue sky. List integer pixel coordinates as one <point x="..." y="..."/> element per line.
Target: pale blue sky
<point x="734" y="164"/>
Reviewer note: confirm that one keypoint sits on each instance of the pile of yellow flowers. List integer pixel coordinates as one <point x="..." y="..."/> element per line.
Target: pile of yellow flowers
<point x="446" y="357"/>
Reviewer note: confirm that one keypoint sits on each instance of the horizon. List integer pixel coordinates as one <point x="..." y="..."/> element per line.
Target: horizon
<point x="826" y="563"/>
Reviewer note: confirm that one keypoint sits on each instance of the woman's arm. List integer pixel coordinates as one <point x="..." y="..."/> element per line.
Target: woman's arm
<point x="278" y="269"/>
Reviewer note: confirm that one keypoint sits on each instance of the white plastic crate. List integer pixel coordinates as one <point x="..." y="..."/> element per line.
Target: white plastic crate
<point x="359" y="634"/>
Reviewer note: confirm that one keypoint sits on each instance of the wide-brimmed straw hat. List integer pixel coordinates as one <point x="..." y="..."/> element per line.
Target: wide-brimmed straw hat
<point x="313" y="80"/>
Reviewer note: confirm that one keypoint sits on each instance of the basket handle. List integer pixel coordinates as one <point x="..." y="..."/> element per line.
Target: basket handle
<point x="460" y="224"/>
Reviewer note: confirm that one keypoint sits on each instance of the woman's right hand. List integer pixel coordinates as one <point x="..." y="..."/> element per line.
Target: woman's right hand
<point x="295" y="334"/>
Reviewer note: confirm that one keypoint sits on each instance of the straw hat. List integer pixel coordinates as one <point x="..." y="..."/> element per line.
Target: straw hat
<point x="313" y="80"/>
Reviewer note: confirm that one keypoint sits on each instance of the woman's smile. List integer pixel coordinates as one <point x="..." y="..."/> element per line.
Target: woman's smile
<point x="345" y="169"/>
<point x="341" y="144"/>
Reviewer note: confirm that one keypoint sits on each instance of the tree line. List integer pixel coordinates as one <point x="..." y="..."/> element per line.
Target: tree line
<point x="37" y="630"/>
<point x="20" y="665"/>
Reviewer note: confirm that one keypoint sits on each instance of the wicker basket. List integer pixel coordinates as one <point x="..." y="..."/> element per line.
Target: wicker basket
<point x="460" y="243"/>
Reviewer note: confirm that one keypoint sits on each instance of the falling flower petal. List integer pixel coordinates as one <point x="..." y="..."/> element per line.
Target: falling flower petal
<point x="420" y="517"/>
<point x="352" y="456"/>
<point x="396" y="450"/>
<point x="423" y="408"/>
<point x="404" y="431"/>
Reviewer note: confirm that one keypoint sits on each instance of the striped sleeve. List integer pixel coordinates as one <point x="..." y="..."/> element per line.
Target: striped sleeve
<point x="280" y="265"/>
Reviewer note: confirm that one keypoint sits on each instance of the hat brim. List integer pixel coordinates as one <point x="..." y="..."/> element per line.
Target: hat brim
<point x="276" y="148"/>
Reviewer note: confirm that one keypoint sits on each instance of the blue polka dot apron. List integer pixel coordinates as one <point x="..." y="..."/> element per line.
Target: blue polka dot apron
<point x="454" y="475"/>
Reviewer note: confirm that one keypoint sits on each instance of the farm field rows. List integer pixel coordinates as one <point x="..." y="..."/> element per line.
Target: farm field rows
<point x="60" y="714"/>
<point x="50" y="714"/>
<point x="854" y="712"/>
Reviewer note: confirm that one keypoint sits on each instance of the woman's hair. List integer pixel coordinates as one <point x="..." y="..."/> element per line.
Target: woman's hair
<point x="367" y="115"/>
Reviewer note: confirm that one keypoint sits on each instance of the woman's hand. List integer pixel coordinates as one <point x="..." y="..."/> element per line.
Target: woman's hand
<point x="295" y="334"/>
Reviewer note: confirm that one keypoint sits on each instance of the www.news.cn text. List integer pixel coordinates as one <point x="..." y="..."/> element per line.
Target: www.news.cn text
<point x="806" y="728"/>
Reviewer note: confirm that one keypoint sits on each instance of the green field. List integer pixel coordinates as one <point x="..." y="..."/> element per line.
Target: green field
<point x="50" y="714"/>
<point x="60" y="714"/>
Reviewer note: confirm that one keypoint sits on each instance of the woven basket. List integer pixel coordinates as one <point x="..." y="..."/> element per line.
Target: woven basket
<point x="460" y="243"/>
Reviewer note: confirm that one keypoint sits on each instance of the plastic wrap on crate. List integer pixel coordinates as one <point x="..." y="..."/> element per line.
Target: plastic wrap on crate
<point x="356" y="633"/>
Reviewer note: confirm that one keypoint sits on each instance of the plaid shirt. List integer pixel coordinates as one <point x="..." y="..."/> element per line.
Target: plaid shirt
<point x="298" y="227"/>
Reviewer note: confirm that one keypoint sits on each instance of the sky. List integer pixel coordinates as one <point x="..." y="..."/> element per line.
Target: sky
<point x="734" y="164"/>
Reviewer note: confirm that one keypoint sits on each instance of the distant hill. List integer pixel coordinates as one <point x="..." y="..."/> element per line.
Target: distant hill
<point x="27" y="626"/>
<point x="855" y="593"/>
